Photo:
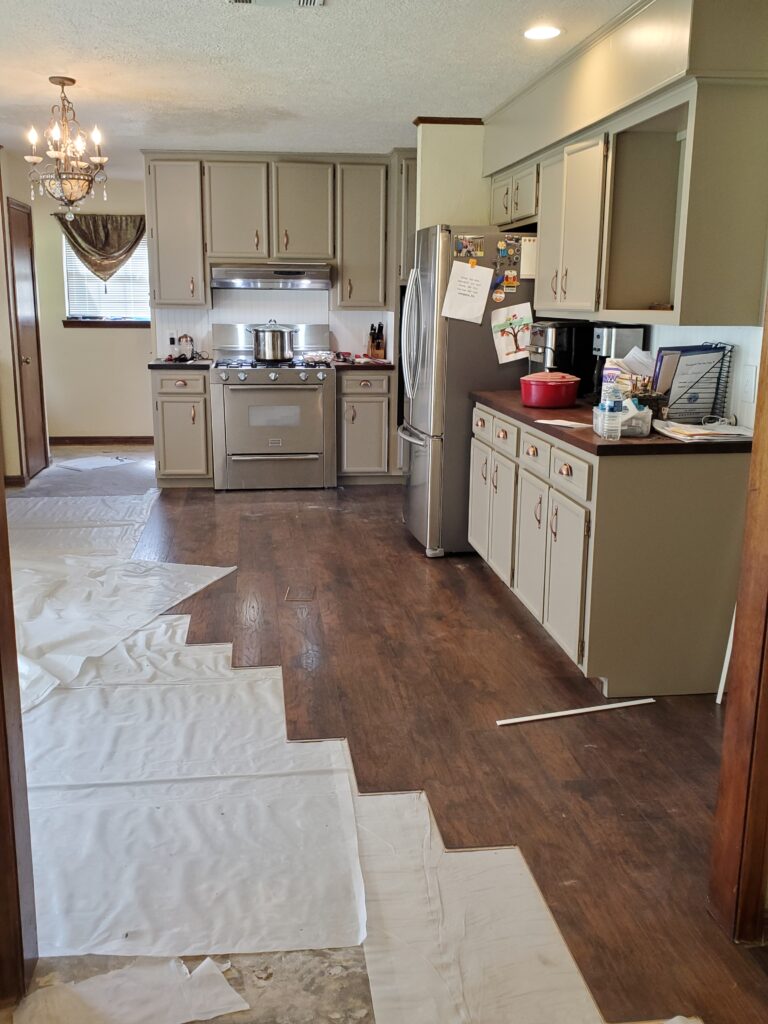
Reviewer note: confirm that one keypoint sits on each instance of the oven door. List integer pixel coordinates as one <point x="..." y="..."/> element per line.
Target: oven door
<point x="277" y="419"/>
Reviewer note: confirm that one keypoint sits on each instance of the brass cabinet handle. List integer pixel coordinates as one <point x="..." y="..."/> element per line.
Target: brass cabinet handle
<point x="533" y="451"/>
<point x="354" y="413"/>
<point x="495" y="477"/>
<point x="564" y="283"/>
<point x="484" y="471"/>
<point x="537" y="511"/>
<point x="365" y="384"/>
<point x="191" y="286"/>
<point x="26" y="360"/>
<point x="286" y="239"/>
<point x="553" y="284"/>
<point x="565" y="470"/>
<point x="480" y="422"/>
<point x="502" y="435"/>
<point x="505" y="200"/>
<point x="256" y="238"/>
<point x="179" y="383"/>
<point x="553" y="523"/>
<point x="349" y="288"/>
<point x="194" y="415"/>
<point x="517" y="191"/>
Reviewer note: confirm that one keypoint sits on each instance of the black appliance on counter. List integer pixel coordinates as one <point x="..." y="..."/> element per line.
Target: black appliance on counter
<point x="563" y="345"/>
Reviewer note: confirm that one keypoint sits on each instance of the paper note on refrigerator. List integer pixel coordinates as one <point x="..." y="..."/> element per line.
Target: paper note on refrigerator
<point x="511" y="328"/>
<point x="467" y="294"/>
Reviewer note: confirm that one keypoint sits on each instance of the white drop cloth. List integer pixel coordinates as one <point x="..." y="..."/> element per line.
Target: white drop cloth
<point x="142" y="993"/>
<point x="93" y="462"/>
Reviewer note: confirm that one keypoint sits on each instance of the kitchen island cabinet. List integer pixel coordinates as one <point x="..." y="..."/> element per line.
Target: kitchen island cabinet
<point x="626" y="551"/>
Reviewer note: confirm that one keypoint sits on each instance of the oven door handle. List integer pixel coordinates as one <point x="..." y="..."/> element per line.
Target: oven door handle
<point x="273" y="387"/>
<point x="271" y="458"/>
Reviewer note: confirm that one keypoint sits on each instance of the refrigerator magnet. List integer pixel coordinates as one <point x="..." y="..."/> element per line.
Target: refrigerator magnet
<point x="511" y="280"/>
<point x="498" y="295"/>
<point x="469" y="246"/>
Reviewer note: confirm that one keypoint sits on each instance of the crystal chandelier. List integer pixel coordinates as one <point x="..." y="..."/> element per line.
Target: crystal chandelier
<point x="73" y="172"/>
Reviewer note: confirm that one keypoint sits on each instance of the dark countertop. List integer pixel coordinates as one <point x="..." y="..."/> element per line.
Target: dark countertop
<point x="510" y="403"/>
<point x="370" y="367"/>
<point x="198" y="364"/>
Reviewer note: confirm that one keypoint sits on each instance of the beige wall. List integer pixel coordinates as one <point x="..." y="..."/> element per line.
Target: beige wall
<point x="96" y="380"/>
<point x="449" y="177"/>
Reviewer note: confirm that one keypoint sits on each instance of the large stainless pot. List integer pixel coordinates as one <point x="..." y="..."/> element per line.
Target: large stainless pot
<point x="273" y="342"/>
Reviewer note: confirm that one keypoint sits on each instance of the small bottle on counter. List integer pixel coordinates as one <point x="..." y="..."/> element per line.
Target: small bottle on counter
<point x="611" y="406"/>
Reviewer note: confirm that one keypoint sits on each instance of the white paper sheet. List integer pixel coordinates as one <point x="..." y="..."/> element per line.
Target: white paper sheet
<point x="467" y="293"/>
<point x="161" y="992"/>
<point x="93" y="462"/>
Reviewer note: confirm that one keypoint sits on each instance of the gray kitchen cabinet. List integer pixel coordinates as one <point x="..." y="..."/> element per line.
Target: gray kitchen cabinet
<point x="236" y="223"/>
<point x="174" y="206"/>
<point x="364" y="428"/>
<point x="361" y="232"/>
<point x="302" y="210"/>
<point x="501" y="191"/>
<point x="407" y="225"/>
<point x="566" y="564"/>
<point x="531" y="547"/>
<point x="182" y="428"/>
<point x="501" y="530"/>
<point x="479" y="497"/>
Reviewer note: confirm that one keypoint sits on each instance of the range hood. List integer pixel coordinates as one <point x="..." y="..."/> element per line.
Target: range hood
<point x="309" y="276"/>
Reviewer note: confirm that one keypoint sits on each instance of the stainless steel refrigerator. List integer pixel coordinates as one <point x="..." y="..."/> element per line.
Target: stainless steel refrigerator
<point x="442" y="362"/>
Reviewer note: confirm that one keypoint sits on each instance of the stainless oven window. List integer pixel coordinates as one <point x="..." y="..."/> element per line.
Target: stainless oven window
<point x="260" y="419"/>
<point x="274" y="415"/>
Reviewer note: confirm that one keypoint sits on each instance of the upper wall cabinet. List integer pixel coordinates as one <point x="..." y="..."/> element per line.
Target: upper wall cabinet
<point x="407" y="218"/>
<point x="514" y="195"/>
<point x="571" y="220"/>
<point x="501" y="188"/>
<point x="236" y="225"/>
<point x="174" y="204"/>
<point x="361" y="204"/>
<point x="302" y="210"/>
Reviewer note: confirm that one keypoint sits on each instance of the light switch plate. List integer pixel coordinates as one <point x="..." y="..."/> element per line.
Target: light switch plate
<point x="749" y="385"/>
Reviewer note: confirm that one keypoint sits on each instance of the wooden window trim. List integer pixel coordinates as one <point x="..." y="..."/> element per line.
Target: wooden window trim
<point x="108" y="324"/>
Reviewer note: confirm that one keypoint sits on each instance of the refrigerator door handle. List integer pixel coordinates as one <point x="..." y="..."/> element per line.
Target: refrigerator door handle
<point x="410" y="438"/>
<point x="418" y="348"/>
<point x="405" y="341"/>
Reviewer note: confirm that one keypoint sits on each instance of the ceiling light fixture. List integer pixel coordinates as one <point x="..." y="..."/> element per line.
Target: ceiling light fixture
<point x="542" y="32"/>
<point x="73" y="171"/>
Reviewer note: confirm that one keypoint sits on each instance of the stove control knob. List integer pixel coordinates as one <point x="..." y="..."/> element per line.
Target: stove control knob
<point x="303" y="376"/>
<point x="273" y="375"/>
<point x="322" y="376"/>
<point x="224" y="376"/>
<point x="242" y="376"/>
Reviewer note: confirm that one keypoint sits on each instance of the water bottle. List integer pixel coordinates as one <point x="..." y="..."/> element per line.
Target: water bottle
<point x="611" y="407"/>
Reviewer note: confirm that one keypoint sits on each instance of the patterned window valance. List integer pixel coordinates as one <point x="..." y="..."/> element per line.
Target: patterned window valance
<point x="103" y="242"/>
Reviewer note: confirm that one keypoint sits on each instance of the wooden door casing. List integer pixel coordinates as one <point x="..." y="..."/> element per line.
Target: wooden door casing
<point x="23" y="288"/>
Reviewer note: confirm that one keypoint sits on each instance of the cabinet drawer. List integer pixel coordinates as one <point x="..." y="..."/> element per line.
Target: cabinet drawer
<point x="534" y="453"/>
<point x="505" y="437"/>
<point x="482" y="424"/>
<point x="356" y="383"/>
<point x="570" y="474"/>
<point x="180" y="383"/>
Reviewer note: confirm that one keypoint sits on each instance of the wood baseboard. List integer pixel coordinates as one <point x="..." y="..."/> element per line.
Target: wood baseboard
<point x="15" y="481"/>
<point x="102" y="440"/>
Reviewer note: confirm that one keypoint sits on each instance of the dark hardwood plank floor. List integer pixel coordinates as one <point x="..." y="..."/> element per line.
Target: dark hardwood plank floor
<point x="414" y="660"/>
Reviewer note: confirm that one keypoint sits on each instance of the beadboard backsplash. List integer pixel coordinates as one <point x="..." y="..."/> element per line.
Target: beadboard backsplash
<point x="349" y="329"/>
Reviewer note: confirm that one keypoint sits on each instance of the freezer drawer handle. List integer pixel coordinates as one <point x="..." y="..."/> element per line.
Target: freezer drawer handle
<point x="502" y="435"/>
<point x="565" y="470"/>
<point x="274" y="458"/>
<point x="533" y="451"/>
<point x="410" y="439"/>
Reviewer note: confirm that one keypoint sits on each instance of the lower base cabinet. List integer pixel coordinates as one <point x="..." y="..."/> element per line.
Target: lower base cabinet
<point x="531" y="548"/>
<point x="363" y="423"/>
<point x="567" y="538"/>
<point x="492" y="508"/>
<point x="182" y="429"/>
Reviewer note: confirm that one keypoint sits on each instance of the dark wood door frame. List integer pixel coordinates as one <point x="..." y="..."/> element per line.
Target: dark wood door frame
<point x="739" y="876"/>
<point x="18" y="928"/>
<point x="21" y="477"/>
<point x="26" y="416"/>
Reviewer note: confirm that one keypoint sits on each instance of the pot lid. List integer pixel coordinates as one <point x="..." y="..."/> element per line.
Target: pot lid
<point x="550" y="377"/>
<point x="272" y="326"/>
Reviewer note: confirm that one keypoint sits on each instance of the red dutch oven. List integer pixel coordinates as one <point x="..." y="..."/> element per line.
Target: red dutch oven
<point x="549" y="390"/>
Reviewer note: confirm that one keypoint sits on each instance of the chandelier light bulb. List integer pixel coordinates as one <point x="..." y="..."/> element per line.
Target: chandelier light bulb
<point x="96" y="135"/>
<point x="56" y="131"/>
<point x="32" y="136"/>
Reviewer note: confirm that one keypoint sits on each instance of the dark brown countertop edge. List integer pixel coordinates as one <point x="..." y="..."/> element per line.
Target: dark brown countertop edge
<point x="200" y="364"/>
<point x="370" y="367"/>
<point x="509" y="403"/>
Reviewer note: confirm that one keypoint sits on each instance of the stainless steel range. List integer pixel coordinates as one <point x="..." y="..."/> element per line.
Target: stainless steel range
<point x="273" y="424"/>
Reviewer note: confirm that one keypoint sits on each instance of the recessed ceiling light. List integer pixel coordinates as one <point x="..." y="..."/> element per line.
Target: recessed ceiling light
<point x="542" y="32"/>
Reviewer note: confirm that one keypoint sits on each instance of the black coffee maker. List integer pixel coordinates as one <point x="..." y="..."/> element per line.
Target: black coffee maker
<point x="564" y="345"/>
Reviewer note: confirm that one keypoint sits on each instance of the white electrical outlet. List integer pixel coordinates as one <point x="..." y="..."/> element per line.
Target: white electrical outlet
<point x="749" y="385"/>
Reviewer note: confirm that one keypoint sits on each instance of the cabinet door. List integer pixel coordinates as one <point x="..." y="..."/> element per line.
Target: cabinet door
<point x="531" y="543"/>
<point x="548" y="244"/>
<point x="181" y="437"/>
<point x="501" y="193"/>
<point x="361" y="204"/>
<point x="524" y="193"/>
<point x="502" y="517"/>
<point x="236" y="209"/>
<point x="479" y="497"/>
<point x="177" y="233"/>
<point x="407" y="218"/>
<point x="567" y="541"/>
<point x="302" y="210"/>
<point x="583" y="195"/>
<point x="364" y="434"/>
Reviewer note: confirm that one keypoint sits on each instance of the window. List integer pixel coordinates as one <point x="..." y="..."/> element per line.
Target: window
<point x="125" y="296"/>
